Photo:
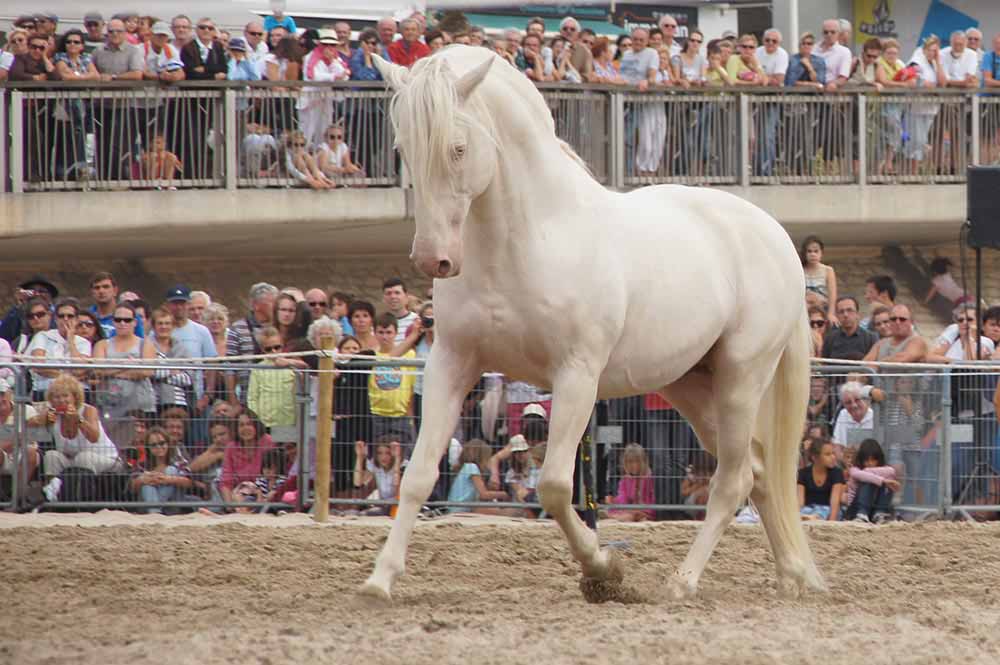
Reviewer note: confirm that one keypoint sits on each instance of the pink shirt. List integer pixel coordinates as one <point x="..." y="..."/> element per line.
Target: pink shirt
<point x="636" y="489"/>
<point x="243" y="464"/>
<point x="875" y="475"/>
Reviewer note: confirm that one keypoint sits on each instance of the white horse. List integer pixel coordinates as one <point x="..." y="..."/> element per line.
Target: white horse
<point x="544" y="275"/>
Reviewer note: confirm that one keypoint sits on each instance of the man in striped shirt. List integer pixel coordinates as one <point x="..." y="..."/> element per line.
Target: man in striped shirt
<point x="241" y="341"/>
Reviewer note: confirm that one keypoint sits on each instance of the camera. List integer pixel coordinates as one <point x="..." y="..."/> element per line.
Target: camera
<point x="427" y="321"/>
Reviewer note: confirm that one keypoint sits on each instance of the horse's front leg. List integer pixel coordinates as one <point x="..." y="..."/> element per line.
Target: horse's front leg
<point x="573" y="395"/>
<point x="448" y="377"/>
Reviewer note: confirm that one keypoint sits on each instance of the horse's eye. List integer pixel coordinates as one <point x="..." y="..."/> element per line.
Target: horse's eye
<point x="458" y="152"/>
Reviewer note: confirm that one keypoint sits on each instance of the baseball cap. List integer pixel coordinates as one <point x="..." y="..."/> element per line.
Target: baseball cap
<point x="534" y="410"/>
<point x="93" y="16"/>
<point x="179" y="292"/>
<point x="237" y="44"/>
<point x="161" y="28"/>
<point x="728" y="34"/>
<point x="518" y="443"/>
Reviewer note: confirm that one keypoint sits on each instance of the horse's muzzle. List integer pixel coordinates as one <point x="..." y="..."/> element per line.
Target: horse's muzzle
<point x="437" y="267"/>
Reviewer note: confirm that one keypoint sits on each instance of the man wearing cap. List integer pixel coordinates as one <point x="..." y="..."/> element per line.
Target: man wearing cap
<point x="13" y="325"/>
<point x="194" y="341"/>
<point x="163" y="60"/>
<point x="45" y="24"/>
<point x="7" y="441"/>
<point x="240" y="66"/>
<point x="93" y="24"/>
<point x="409" y="49"/>
<point x="315" y="110"/>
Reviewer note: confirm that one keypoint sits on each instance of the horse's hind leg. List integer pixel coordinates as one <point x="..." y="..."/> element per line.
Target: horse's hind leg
<point x="733" y="409"/>
<point x="448" y="378"/>
<point x="573" y="395"/>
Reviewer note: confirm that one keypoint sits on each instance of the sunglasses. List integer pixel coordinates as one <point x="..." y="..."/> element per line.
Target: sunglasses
<point x="567" y="28"/>
<point x="66" y="316"/>
<point x="370" y="42"/>
<point x="881" y="323"/>
<point x="746" y="46"/>
<point x="73" y="41"/>
<point x="692" y="39"/>
<point x="156" y="444"/>
<point x="809" y="43"/>
<point x="37" y="47"/>
<point x="206" y="27"/>
<point x="830" y="32"/>
<point x="768" y="40"/>
<point x="256" y="34"/>
<point x="894" y="319"/>
<point x="121" y="319"/>
<point x="91" y="24"/>
<point x="817" y="324"/>
<point x="318" y="304"/>
<point x="965" y="319"/>
<point x="271" y="349"/>
<point x="86" y="323"/>
<point x="37" y="315"/>
<point x="114" y="31"/>
<point x="299" y="145"/>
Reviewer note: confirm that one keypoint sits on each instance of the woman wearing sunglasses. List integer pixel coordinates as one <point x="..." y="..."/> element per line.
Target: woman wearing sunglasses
<point x="17" y="43"/>
<point x="33" y="65"/>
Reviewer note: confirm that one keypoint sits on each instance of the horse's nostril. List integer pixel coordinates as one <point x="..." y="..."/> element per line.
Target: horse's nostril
<point x="444" y="268"/>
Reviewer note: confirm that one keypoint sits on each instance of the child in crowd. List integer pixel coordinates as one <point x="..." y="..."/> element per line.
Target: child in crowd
<point x="272" y="471"/>
<point x="943" y="284"/>
<point x="161" y="165"/>
<point x="335" y="156"/>
<point x="820" y="278"/>
<point x="164" y="476"/>
<point x="260" y="151"/>
<point x="301" y="165"/>
<point x="634" y="487"/>
<point x="468" y="485"/>
<point x="695" y="486"/>
<point x="813" y="432"/>
<point x="379" y="478"/>
<point x="821" y="484"/>
<point x="519" y="479"/>
<point x="207" y="467"/>
<point x="271" y="392"/>
<point x="870" y="485"/>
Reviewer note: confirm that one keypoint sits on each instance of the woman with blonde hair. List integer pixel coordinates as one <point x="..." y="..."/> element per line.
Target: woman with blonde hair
<point x="216" y="319"/>
<point x="77" y="432"/>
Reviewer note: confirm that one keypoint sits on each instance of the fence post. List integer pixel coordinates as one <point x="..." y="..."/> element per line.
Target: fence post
<point x="302" y="400"/>
<point x="944" y="498"/>
<point x="744" y="140"/>
<point x="976" y="110"/>
<point x="862" y="139"/>
<point x="5" y="137"/>
<point x="230" y="138"/>
<point x="17" y="142"/>
<point x="616" y="140"/>
<point x="21" y="399"/>
<point x="324" y="418"/>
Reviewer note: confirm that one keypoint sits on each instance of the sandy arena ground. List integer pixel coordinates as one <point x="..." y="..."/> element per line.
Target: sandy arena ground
<point x="120" y="589"/>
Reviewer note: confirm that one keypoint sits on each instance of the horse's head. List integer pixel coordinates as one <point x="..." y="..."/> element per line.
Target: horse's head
<point x="449" y="147"/>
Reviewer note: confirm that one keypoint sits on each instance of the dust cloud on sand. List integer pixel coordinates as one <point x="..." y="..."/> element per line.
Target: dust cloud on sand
<point x="113" y="588"/>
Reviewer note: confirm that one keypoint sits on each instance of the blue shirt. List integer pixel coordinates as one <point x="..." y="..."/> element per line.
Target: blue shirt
<point x="242" y="70"/>
<point x="108" y="323"/>
<point x="797" y="71"/>
<point x="288" y="23"/>
<point x="193" y="340"/>
<point x="345" y="326"/>
<point x="462" y="488"/>
<point x="991" y="63"/>
<point x="359" y="72"/>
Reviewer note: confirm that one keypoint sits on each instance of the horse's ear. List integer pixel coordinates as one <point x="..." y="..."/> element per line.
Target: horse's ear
<point x="465" y="85"/>
<point x="395" y="75"/>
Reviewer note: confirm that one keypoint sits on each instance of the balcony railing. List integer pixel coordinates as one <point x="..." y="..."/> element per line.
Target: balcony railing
<point x="230" y="135"/>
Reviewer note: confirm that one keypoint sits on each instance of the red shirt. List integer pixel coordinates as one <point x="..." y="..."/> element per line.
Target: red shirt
<point x="405" y="54"/>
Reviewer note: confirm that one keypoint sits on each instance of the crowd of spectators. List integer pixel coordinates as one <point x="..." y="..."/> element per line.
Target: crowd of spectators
<point x="309" y="138"/>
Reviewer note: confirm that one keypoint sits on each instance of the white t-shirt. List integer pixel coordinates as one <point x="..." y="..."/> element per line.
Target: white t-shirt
<point x="6" y="60"/>
<point x="948" y="287"/>
<point x="957" y="69"/>
<point x="337" y="156"/>
<point x="774" y="64"/>
<point x="55" y="346"/>
<point x="845" y="424"/>
<point x="403" y="324"/>
<point x="7" y="465"/>
<point x="635" y="66"/>
<point x="838" y="61"/>
<point x="955" y="352"/>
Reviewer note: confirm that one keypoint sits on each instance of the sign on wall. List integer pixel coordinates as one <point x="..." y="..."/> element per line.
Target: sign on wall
<point x="874" y="19"/>
<point x="630" y="16"/>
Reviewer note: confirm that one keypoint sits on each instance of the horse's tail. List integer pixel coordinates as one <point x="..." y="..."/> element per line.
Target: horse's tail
<point x="782" y="415"/>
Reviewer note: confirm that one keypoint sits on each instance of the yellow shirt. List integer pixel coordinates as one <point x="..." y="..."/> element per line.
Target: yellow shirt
<point x="391" y="388"/>
<point x="890" y="69"/>
<point x="271" y="395"/>
<point x="735" y="66"/>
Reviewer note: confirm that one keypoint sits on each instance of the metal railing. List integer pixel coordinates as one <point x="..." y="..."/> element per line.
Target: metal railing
<point x="232" y="135"/>
<point x="937" y="428"/>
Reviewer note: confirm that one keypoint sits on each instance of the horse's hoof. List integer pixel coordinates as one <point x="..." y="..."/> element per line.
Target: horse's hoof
<point x="610" y="568"/>
<point x="679" y="588"/>
<point x="374" y="591"/>
<point x="608" y="586"/>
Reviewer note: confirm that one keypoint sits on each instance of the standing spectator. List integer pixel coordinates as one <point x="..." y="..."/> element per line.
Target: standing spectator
<point x="170" y="385"/>
<point x="194" y="341"/>
<point x="477" y="36"/>
<point x="773" y="61"/>
<point x="104" y="291"/>
<point x="581" y="59"/>
<point x="117" y="60"/>
<point x="315" y="107"/>
<point x="668" y="28"/>
<point x="292" y="320"/>
<point x="241" y="338"/>
<point x="821" y="279"/>
<point x="689" y="65"/>
<point x="318" y="302"/>
<point x="844" y="36"/>
<point x="865" y="71"/>
<point x="93" y="23"/>
<point x="351" y="409"/>
<point x="362" y="315"/>
<point x="61" y="343"/>
<point x="32" y="65"/>
<point x="975" y="42"/>
<point x="71" y="62"/>
<point x="745" y="70"/>
<point x="880" y="291"/>
<point x="638" y="68"/>
<point x="921" y="116"/>
<point x="240" y="68"/>
<point x="805" y="68"/>
<point x="278" y="19"/>
<point x="163" y="60"/>
<point x="837" y="57"/>
<point x="961" y="70"/>
<point x="203" y="57"/>
<point x="396" y="300"/>
<point x="848" y="341"/>
<point x="253" y="34"/>
<point x="419" y="339"/>
<point x="562" y="67"/>
<point x="271" y="392"/>
<point x="38" y="317"/>
<point x="12" y="325"/>
<point x="124" y="390"/>
<point x="216" y="319"/>
<point x="196" y="308"/>
<point x="604" y="68"/>
<point x="362" y="67"/>
<point x="386" y="28"/>
<point x="17" y="44"/>
<point x="89" y="328"/>
<point x="409" y="49"/>
<point x="344" y="52"/>
<point x="183" y="31"/>
<point x="390" y="389"/>
<point x="340" y="303"/>
<point x="530" y="60"/>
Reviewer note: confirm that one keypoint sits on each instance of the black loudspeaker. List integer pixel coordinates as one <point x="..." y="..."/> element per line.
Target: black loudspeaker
<point x="984" y="206"/>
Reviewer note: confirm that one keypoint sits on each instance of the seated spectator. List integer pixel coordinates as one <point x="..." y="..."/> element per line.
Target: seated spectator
<point x="124" y="390"/>
<point x="164" y="476"/>
<point x="818" y="412"/>
<point x="409" y="49"/>
<point x="77" y="434"/>
<point x="160" y="165"/>
<point x="206" y="468"/>
<point x="856" y="415"/>
<point x="521" y="478"/>
<point x="272" y="392"/>
<point x="132" y="447"/>
<point x="89" y="327"/>
<point x="7" y="444"/>
<point x="260" y="151"/>
<point x="870" y="485"/>
<point x="696" y="484"/>
<point x="848" y="340"/>
<point x="362" y="67"/>
<point x="59" y="344"/>
<point x="821" y="484"/>
<point x="335" y="156"/>
<point x="805" y="69"/>
<point x="535" y="431"/>
<point x="242" y="459"/>
<point x="958" y="342"/>
<point x="273" y="471"/>
<point x="38" y="316"/>
<point x="634" y="487"/>
<point x="379" y="477"/>
<point x="468" y="485"/>
<point x="301" y="165"/>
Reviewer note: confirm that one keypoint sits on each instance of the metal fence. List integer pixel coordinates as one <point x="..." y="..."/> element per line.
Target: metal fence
<point x="231" y="135"/>
<point x="160" y="447"/>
